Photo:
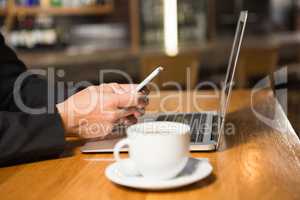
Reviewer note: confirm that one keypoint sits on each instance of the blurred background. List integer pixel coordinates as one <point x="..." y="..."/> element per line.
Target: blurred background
<point x="85" y="36"/>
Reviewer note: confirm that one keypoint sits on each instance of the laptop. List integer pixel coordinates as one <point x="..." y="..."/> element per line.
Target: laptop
<point x="206" y="127"/>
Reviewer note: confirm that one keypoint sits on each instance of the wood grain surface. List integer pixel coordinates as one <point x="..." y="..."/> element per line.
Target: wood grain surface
<point x="258" y="161"/>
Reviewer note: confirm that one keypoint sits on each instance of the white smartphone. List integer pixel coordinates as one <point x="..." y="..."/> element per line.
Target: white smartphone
<point x="149" y="78"/>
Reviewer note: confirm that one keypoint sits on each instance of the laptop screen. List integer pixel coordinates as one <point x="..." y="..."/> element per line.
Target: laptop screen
<point x="228" y="83"/>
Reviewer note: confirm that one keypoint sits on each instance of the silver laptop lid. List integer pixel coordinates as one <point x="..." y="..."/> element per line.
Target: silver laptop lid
<point x="228" y="83"/>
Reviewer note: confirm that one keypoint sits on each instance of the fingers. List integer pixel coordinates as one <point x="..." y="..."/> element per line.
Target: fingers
<point x="127" y="121"/>
<point x="95" y="130"/>
<point x="130" y="120"/>
<point x="145" y="90"/>
<point x="132" y="87"/>
<point x="112" y="88"/>
<point x="123" y="113"/>
<point x="126" y="117"/>
<point x="128" y="87"/>
<point x="118" y="88"/>
<point x="123" y="88"/>
<point x="137" y="112"/>
<point x="143" y="103"/>
<point x="114" y="116"/>
<point x="127" y="100"/>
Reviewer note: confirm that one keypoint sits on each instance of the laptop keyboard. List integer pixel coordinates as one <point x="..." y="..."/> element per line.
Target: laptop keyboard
<point x="215" y="128"/>
<point x="200" y="123"/>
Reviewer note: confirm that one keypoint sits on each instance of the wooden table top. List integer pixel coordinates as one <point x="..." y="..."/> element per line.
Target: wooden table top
<point x="257" y="162"/>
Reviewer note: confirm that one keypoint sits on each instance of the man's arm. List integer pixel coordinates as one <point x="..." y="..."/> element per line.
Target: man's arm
<point x="33" y="91"/>
<point x="28" y="137"/>
<point x="10" y="68"/>
<point x="25" y="137"/>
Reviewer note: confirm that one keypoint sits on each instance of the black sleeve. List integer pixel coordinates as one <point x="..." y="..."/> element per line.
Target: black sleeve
<point x="24" y="136"/>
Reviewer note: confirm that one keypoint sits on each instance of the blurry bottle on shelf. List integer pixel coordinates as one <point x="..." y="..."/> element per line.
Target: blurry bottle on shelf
<point x="191" y="16"/>
<point x="152" y="22"/>
<point x="192" y="20"/>
<point x="34" y="33"/>
<point x="91" y="37"/>
<point x="77" y="3"/>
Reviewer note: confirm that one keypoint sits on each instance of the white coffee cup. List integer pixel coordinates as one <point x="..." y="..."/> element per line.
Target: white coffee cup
<point x="157" y="150"/>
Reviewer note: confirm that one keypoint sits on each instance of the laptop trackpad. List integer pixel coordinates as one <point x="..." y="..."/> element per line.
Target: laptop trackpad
<point x="103" y="146"/>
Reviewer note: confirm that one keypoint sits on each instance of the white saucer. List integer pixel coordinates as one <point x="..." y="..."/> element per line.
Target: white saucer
<point x="195" y="170"/>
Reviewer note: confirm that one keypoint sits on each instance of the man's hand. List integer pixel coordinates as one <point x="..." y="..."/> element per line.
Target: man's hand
<point x="94" y="111"/>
